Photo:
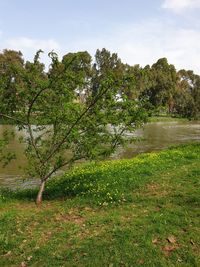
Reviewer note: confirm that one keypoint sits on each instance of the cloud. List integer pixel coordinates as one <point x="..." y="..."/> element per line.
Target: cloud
<point x="28" y="43"/>
<point x="29" y="46"/>
<point x="181" y="5"/>
<point x="146" y="42"/>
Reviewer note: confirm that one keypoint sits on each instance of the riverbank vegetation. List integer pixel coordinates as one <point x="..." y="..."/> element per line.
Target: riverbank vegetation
<point x="166" y="118"/>
<point x="86" y="106"/>
<point x="138" y="212"/>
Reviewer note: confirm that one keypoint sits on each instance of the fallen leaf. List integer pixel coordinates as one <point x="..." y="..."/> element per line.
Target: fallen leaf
<point x="141" y="261"/>
<point x="192" y="242"/>
<point x="7" y="254"/>
<point x="171" y="239"/>
<point x="168" y="249"/>
<point x="155" y="241"/>
<point x="29" y="258"/>
<point x="88" y="208"/>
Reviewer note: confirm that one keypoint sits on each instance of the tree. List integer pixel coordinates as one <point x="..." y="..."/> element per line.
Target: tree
<point x="57" y="122"/>
<point x="106" y="64"/>
<point x="161" y="85"/>
<point x="11" y="64"/>
<point x="136" y="81"/>
<point x="187" y="96"/>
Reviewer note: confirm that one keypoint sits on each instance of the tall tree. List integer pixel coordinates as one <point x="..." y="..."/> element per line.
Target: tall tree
<point x="136" y="81"/>
<point x="106" y="64"/>
<point x="187" y="96"/>
<point x="162" y="85"/>
<point x="11" y="64"/>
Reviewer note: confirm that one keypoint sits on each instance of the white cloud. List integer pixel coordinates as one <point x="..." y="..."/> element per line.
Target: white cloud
<point x="146" y="42"/>
<point x="181" y="5"/>
<point x="29" y="46"/>
<point x="28" y="43"/>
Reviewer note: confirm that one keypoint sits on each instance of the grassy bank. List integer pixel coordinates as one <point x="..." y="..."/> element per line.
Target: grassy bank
<point x="167" y="118"/>
<point x="139" y="212"/>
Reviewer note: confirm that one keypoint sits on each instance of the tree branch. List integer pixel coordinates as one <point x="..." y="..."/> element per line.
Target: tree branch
<point x="121" y="132"/>
<point x="13" y="118"/>
<point x="72" y="160"/>
<point x="29" y="124"/>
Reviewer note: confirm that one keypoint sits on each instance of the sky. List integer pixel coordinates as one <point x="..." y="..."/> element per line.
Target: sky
<point x="140" y="31"/>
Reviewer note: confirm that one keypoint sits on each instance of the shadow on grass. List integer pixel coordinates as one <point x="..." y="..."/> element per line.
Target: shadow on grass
<point x="61" y="188"/>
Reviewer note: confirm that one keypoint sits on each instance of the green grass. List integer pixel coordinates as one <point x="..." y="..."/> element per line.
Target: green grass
<point x="139" y="212"/>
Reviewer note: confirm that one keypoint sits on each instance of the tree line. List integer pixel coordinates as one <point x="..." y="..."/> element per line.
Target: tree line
<point x="160" y="86"/>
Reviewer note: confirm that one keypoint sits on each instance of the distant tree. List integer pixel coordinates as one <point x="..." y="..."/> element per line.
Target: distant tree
<point x="77" y="69"/>
<point x="56" y="122"/>
<point x="187" y="96"/>
<point x="134" y="81"/>
<point x="161" y="84"/>
<point x="11" y="64"/>
<point x="106" y="64"/>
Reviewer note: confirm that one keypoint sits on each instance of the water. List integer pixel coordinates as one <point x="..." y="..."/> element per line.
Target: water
<point x="153" y="137"/>
<point x="160" y="135"/>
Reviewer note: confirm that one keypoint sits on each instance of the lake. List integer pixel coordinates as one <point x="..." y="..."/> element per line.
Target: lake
<point x="153" y="136"/>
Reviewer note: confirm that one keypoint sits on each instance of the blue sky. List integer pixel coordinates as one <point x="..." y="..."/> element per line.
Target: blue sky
<point x="140" y="31"/>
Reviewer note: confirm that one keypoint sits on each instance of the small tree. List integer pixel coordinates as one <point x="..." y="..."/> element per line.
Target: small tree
<point x="56" y="121"/>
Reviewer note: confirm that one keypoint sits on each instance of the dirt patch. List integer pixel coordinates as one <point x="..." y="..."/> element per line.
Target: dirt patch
<point x="97" y="230"/>
<point x="77" y="219"/>
<point x="156" y="190"/>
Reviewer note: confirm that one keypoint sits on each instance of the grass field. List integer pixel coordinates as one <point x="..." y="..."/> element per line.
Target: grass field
<point x="139" y="212"/>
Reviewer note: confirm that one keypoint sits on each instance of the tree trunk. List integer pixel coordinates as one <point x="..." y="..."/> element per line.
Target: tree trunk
<point x="39" y="196"/>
